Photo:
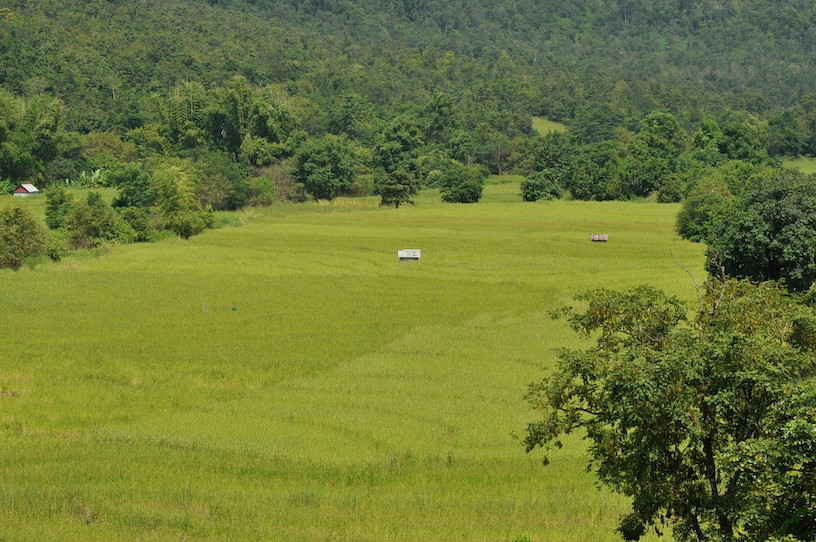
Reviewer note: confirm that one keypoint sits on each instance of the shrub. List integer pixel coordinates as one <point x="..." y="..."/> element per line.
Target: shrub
<point x="21" y="237"/>
<point x="541" y="185"/>
<point x="90" y="222"/>
<point x="57" y="204"/>
<point x="57" y="244"/>
<point x="462" y="184"/>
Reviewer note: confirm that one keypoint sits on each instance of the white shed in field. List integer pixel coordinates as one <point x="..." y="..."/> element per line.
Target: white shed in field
<point x="409" y="255"/>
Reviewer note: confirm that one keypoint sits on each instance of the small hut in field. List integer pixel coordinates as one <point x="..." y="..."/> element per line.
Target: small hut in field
<point x="25" y="190"/>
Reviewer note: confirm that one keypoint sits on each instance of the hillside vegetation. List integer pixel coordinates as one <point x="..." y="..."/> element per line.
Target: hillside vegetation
<point x="548" y="58"/>
<point x="289" y="100"/>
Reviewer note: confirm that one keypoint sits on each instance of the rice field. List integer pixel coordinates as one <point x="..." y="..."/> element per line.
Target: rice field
<point x="289" y="379"/>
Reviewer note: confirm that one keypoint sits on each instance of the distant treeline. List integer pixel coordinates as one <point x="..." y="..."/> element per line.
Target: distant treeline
<point x="259" y="100"/>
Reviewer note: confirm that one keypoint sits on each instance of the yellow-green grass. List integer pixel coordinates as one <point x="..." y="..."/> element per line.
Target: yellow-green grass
<point x="291" y="380"/>
<point x="545" y="126"/>
<point x="805" y="165"/>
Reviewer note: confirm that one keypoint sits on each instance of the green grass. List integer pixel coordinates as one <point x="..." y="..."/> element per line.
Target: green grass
<point x="290" y="380"/>
<point x="544" y="126"/>
<point x="805" y="165"/>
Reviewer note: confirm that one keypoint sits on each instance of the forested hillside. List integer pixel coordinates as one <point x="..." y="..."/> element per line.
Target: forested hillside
<point x="552" y="57"/>
<point x="255" y="100"/>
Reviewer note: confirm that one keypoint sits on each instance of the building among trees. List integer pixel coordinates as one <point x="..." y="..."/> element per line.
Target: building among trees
<point x="25" y="190"/>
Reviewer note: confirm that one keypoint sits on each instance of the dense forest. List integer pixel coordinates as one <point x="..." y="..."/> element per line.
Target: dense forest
<point x="247" y="101"/>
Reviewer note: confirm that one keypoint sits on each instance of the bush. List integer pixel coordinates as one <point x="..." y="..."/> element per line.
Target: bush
<point x="57" y="204"/>
<point x="672" y="190"/>
<point x="6" y="186"/>
<point x="462" y="184"/>
<point x="90" y="222"/>
<point x="541" y="185"/>
<point x="56" y="245"/>
<point x="189" y="222"/>
<point x="260" y="192"/>
<point x="134" y="186"/>
<point x="21" y="237"/>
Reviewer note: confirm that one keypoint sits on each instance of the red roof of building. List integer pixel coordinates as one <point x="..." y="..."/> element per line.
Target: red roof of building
<point x="26" y="188"/>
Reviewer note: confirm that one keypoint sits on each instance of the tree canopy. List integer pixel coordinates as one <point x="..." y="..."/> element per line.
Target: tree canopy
<point x="705" y="422"/>
<point x="761" y="228"/>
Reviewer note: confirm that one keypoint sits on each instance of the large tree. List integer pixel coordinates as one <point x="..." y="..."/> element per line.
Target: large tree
<point x="395" y="188"/>
<point x="768" y="233"/>
<point x="325" y="166"/>
<point x="707" y="423"/>
<point x="653" y="153"/>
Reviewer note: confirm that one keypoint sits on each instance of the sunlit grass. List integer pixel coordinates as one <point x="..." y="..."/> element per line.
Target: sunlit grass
<point x="805" y="165"/>
<point x="545" y="126"/>
<point x="289" y="379"/>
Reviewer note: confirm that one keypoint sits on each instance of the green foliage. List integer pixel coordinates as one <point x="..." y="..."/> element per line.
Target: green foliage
<point x="542" y="185"/>
<point x="397" y="146"/>
<point x="260" y="192"/>
<point x="555" y="151"/>
<point x="395" y="188"/>
<point x="594" y="123"/>
<point x="220" y="181"/>
<point x="228" y="116"/>
<point x="21" y="236"/>
<point x="702" y="211"/>
<point x="91" y="222"/>
<point x="140" y="225"/>
<point x="106" y="150"/>
<point x="784" y="137"/>
<point x="741" y="141"/>
<point x="691" y="417"/>
<point x="178" y="207"/>
<point x="461" y="184"/>
<point x="672" y="190"/>
<point x="270" y="118"/>
<point x="29" y="133"/>
<point x="325" y="167"/>
<point x="58" y="201"/>
<point x="133" y="183"/>
<point x="353" y="116"/>
<point x="653" y="153"/>
<point x="768" y="235"/>
<point x="92" y="179"/>
<point x="259" y="152"/>
<point x="57" y="244"/>
<point x="594" y="173"/>
<point x="184" y="115"/>
<point x="432" y="167"/>
<point x="439" y="118"/>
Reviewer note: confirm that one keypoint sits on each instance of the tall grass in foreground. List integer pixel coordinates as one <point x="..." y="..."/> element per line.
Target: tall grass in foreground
<point x="290" y="380"/>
